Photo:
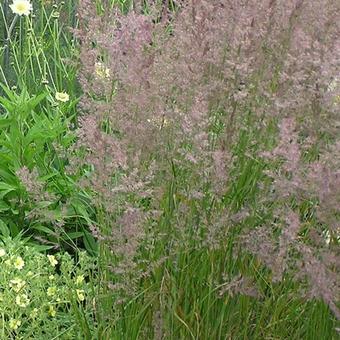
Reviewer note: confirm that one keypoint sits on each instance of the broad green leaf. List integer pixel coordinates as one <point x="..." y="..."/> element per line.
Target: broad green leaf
<point x="43" y="229"/>
<point x="90" y="243"/>
<point x="5" y="189"/>
<point x="75" y="234"/>
<point x="32" y="103"/>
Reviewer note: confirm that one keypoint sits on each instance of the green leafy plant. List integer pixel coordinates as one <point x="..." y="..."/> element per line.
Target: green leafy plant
<point x="34" y="189"/>
<point x="44" y="295"/>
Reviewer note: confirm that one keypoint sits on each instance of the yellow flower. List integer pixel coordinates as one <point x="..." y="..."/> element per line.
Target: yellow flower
<point x="52" y="260"/>
<point x="21" y="7"/>
<point x="34" y="313"/>
<point x="51" y="291"/>
<point x="2" y="252"/>
<point x="79" y="280"/>
<point x="14" y="324"/>
<point x="22" y="300"/>
<point x="62" y="97"/>
<point x="51" y="311"/>
<point x="19" y="263"/>
<point x="17" y="284"/>
<point x="80" y="294"/>
<point x="101" y="70"/>
<point x="159" y="122"/>
<point x="51" y="277"/>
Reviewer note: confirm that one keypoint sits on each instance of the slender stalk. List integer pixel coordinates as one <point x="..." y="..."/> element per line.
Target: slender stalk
<point x="6" y="63"/>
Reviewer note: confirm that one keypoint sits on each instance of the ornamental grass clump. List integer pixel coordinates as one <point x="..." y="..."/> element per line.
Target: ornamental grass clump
<point x="194" y="124"/>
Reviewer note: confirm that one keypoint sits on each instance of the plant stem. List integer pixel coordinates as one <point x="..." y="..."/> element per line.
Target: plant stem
<point x="6" y="64"/>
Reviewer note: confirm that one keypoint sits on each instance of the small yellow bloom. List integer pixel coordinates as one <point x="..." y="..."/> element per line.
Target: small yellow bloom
<point x="34" y="313"/>
<point x="19" y="263"/>
<point x="2" y="252"/>
<point x="159" y="122"/>
<point x="17" y="284"/>
<point x="52" y="260"/>
<point x="80" y="294"/>
<point x="22" y="300"/>
<point x="14" y="324"/>
<point x="21" y="7"/>
<point x="51" y="277"/>
<point x="79" y="280"/>
<point x="51" y="311"/>
<point x="62" y="97"/>
<point x="51" y="291"/>
<point x="101" y="70"/>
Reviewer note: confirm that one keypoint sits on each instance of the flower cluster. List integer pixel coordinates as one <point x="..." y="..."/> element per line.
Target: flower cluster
<point x="33" y="291"/>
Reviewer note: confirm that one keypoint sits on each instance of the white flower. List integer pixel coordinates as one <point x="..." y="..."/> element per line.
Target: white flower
<point x="19" y="263"/>
<point x="80" y="294"/>
<point x="14" y="324"/>
<point x="21" y="7"/>
<point x="52" y="260"/>
<point x="62" y="97"/>
<point x="2" y="252"/>
<point x="17" y="284"/>
<point x="22" y="300"/>
<point x="101" y="70"/>
<point x="79" y="280"/>
<point x="51" y="311"/>
<point x="51" y="291"/>
<point x="34" y="313"/>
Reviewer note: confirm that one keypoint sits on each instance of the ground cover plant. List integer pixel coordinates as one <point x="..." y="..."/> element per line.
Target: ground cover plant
<point x="43" y="295"/>
<point x="169" y="169"/>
